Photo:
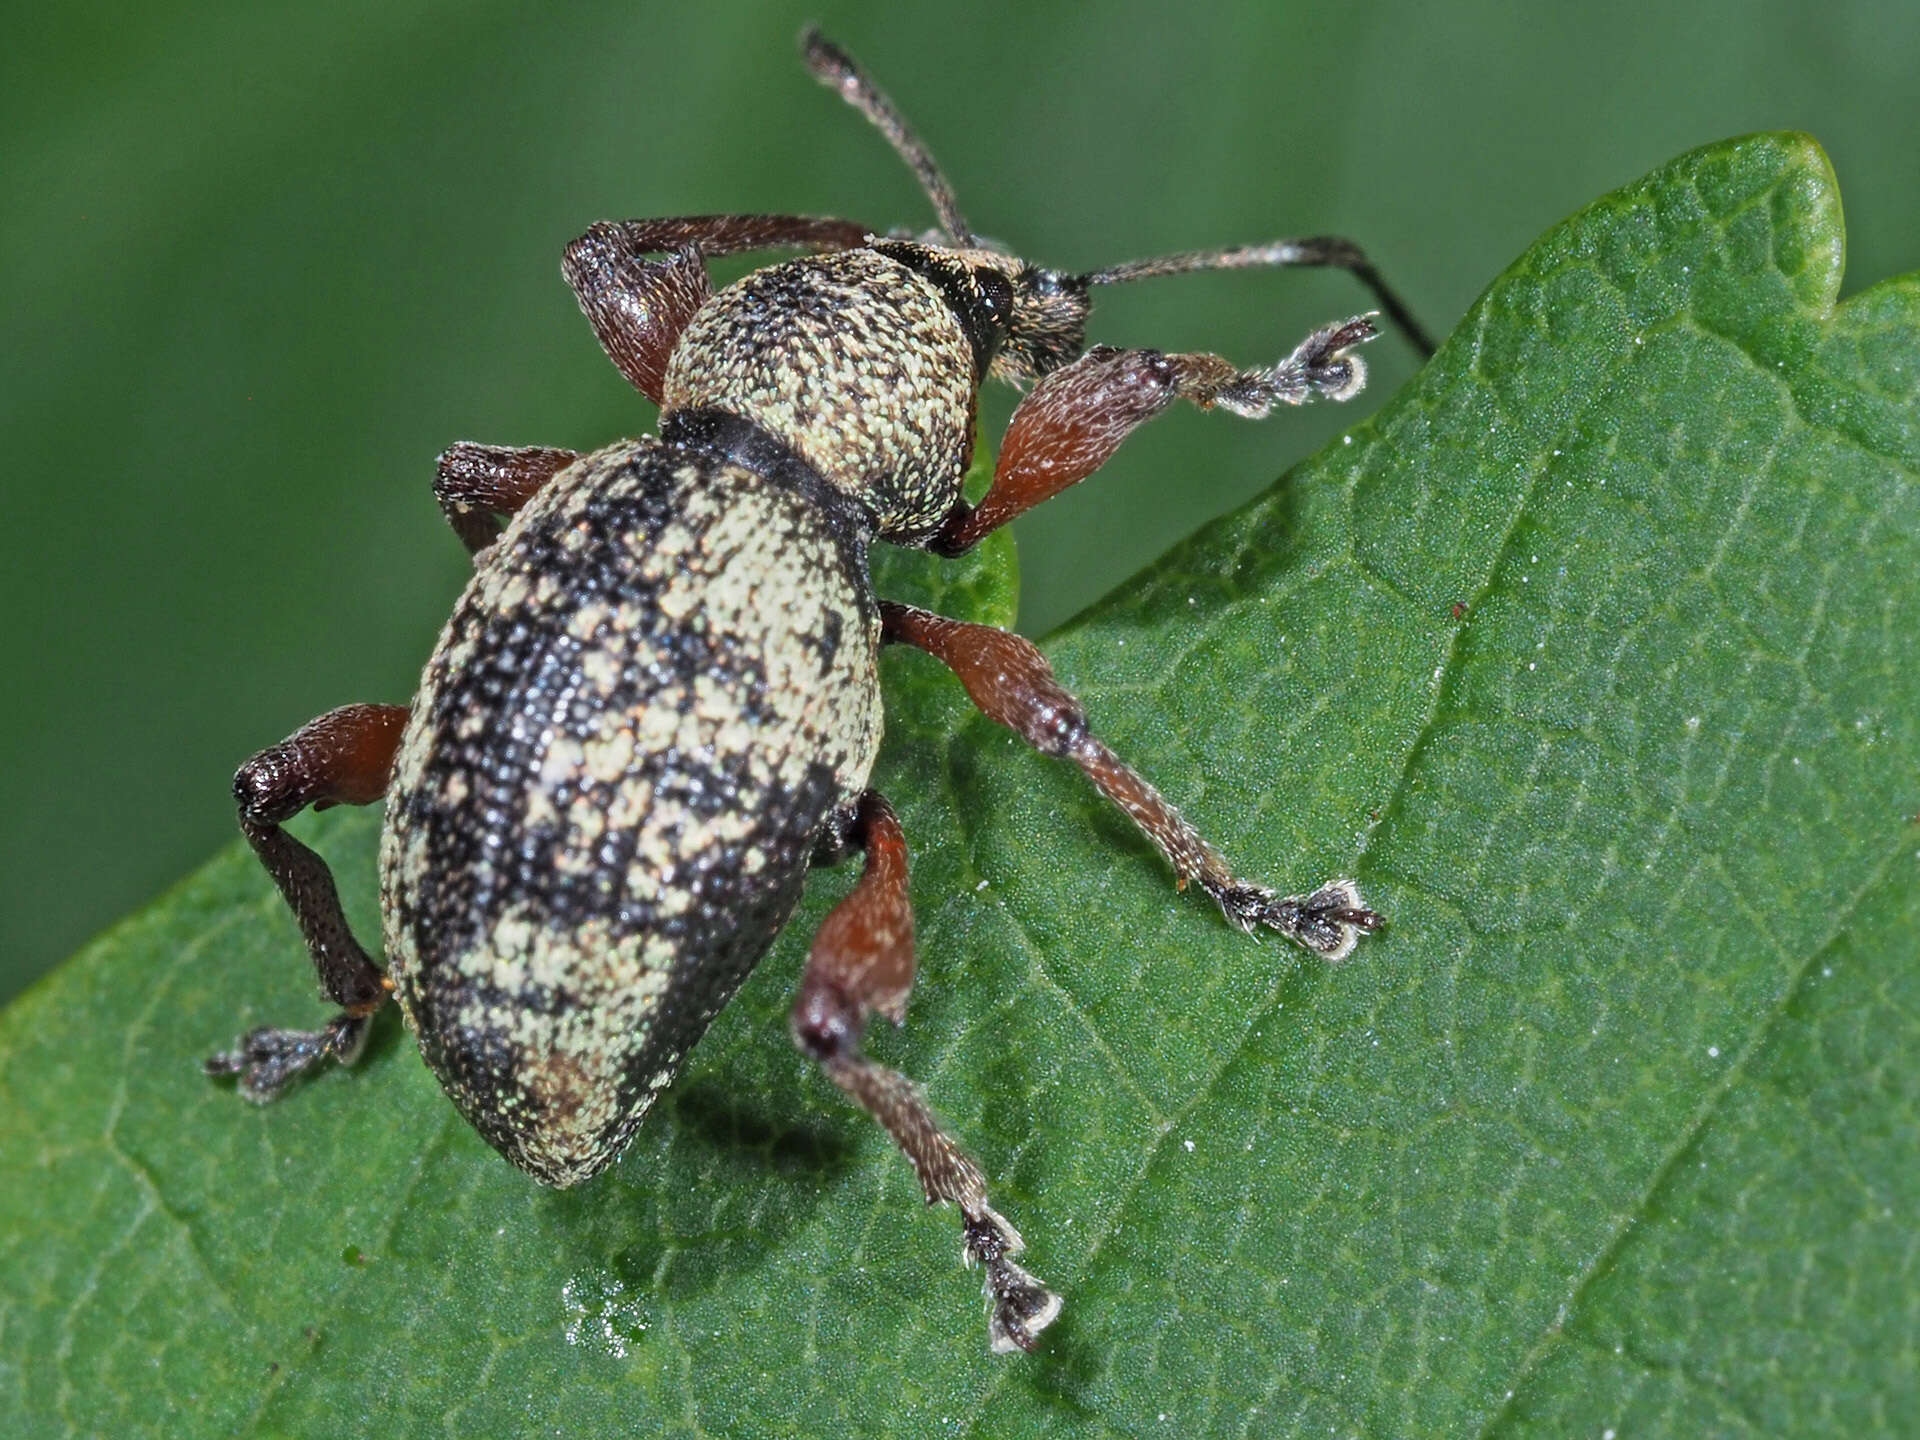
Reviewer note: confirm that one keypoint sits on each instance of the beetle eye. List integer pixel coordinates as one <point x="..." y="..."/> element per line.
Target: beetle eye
<point x="996" y="295"/>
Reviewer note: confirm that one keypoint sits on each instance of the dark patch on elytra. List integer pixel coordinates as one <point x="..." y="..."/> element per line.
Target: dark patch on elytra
<point x="827" y="643"/>
<point x="498" y="852"/>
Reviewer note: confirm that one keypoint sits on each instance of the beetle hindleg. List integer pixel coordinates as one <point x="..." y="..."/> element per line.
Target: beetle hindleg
<point x="1073" y="420"/>
<point x="343" y="758"/>
<point x="1011" y="682"/>
<point x="862" y="963"/>
<point x="639" y="305"/>
<point x="474" y="483"/>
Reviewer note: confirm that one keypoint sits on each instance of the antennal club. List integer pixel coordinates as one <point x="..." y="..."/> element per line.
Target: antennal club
<point x="833" y="67"/>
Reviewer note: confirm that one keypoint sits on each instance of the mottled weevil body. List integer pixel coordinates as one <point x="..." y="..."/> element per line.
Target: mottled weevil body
<point x="657" y="704"/>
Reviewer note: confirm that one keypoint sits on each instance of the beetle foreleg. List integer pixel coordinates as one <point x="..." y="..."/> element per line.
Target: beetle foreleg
<point x="1012" y="683"/>
<point x="343" y="758"/>
<point x="862" y="962"/>
<point x="1073" y="420"/>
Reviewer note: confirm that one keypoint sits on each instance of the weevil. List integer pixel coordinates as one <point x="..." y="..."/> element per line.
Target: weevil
<point x="657" y="704"/>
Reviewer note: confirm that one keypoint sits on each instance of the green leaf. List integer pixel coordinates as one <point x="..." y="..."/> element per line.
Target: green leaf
<point x="1593" y="658"/>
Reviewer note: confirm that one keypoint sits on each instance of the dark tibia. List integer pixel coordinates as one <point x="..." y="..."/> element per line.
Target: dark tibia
<point x="347" y="977"/>
<point x="862" y="963"/>
<point x="476" y="483"/>
<point x="1013" y="685"/>
<point x="343" y="758"/>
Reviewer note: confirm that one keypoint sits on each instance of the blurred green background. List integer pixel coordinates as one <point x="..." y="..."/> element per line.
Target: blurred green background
<point x="261" y="261"/>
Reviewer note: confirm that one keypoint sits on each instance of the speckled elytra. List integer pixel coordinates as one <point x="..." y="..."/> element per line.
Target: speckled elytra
<point x="657" y="703"/>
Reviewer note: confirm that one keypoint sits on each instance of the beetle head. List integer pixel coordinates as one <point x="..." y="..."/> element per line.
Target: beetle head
<point x="1049" y="325"/>
<point x="1034" y="320"/>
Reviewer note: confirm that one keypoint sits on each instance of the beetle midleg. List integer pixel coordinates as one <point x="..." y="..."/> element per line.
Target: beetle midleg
<point x="1073" y="420"/>
<point x="343" y="758"/>
<point x="1012" y="683"/>
<point x="862" y="963"/>
<point x="638" y="306"/>
<point x="475" y="483"/>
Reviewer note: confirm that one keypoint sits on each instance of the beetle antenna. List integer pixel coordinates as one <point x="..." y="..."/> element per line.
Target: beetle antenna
<point x="1327" y="250"/>
<point x="834" y="67"/>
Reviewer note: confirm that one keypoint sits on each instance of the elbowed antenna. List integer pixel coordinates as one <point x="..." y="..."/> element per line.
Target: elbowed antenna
<point x="1320" y="250"/>
<point x="833" y="66"/>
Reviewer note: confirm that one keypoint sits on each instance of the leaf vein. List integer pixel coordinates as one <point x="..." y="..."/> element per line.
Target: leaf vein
<point x="1626" y="1224"/>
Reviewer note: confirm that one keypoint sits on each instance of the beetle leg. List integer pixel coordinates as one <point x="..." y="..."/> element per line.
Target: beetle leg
<point x="343" y="758"/>
<point x="475" y="483"/>
<point x="638" y="306"/>
<point x="843" y="833"/>
<point x="862" y="963"/>
<point x="1073" y="420"/>
<point x="1011" y="682"/>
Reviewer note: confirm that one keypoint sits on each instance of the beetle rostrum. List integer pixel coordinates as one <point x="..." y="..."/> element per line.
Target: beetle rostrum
<point x="657" y="704"/>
